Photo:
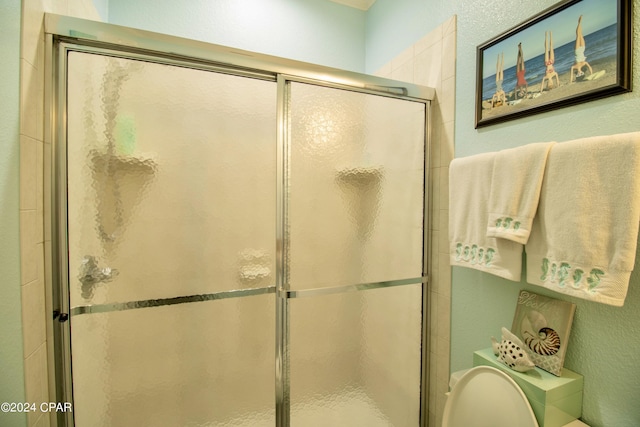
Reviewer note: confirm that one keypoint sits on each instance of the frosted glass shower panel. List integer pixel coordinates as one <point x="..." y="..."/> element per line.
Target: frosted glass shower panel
<point x="356" y="187"/>
<point x="355" y="358"/>
<point x="201" y="364"/>
<point x="171" y="175"/>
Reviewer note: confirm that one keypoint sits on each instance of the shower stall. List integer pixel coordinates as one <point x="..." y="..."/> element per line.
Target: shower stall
<point x="237" y="239"/>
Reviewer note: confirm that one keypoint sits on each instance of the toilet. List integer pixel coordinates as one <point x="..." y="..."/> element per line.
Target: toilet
<point x="487" y="397"/>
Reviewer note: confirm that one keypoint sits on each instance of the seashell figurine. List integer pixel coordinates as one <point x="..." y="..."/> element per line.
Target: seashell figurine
<point x="510" y="351"/>
<point x="538" y="337"/>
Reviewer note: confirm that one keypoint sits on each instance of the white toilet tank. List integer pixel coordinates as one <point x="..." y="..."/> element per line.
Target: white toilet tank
<point x="487" y="397"/>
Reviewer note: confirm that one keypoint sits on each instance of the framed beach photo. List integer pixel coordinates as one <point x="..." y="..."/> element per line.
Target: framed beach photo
<point x="573" y="52"/>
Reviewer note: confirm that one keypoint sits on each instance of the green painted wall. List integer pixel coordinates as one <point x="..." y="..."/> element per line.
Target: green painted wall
<point x="393" y="25"/>
<point x="11" y="359"/>
<point x="316" y="31"/>
<point x="605" y="344"/>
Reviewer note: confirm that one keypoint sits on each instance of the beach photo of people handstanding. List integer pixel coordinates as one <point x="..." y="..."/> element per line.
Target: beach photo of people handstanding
<point x="571" y="52"/>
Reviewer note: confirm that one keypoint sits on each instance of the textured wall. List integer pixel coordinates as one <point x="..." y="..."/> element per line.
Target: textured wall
<point x="603" y="342"/>
<point x="394" y="25"/>
<point x="315" y="31"/>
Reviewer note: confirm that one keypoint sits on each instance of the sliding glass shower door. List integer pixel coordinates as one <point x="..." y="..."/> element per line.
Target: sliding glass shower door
<point x="238" y="248"/>
<point x="171" y="212"/>
<point x="355" y="236"/>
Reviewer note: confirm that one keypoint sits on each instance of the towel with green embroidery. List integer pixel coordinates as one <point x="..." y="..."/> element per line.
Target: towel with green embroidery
<point x="584" y="236"/>
<point x="515" y="190"/>
<point x="469" y="246"/>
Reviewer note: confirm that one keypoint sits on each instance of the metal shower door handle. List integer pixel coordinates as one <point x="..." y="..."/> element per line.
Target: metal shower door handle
<point x="91" y="275"/>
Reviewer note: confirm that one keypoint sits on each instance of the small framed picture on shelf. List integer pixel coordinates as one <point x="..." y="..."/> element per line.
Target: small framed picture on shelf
<point x="544" y="324"/>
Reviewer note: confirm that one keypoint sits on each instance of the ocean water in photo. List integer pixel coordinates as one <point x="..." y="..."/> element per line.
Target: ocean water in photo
<point x="601" y="45"/>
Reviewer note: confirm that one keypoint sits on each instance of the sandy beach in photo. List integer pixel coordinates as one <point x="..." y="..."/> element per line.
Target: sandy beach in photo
<point x="565" y="90"/>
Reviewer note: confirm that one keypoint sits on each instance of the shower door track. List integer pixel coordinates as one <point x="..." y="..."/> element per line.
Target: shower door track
<point x="65" y="34"/>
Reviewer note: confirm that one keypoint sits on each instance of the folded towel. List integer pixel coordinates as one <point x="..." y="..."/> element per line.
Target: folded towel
<point x="469" y="187"/>
<point x="584" y="236"/>
<point x="515" y="190"/>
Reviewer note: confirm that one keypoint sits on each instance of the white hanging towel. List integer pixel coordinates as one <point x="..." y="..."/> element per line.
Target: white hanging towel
<point x="515" y="190"/>
<point x="584" y="236"/>
<point x="469" y="246"/>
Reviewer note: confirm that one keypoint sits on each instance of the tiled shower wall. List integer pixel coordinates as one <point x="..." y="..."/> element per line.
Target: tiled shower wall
<point x="35" y="235"/>
<point x="432" y="62"/>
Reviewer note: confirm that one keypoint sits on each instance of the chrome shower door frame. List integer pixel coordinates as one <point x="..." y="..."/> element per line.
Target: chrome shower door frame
<point x="65" y="34"/>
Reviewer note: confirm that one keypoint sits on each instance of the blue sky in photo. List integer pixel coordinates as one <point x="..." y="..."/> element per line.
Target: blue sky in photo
<point x="597" y="14"/>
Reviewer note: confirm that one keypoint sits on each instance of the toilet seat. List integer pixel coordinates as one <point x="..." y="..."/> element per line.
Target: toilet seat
<point x="487" y="397"/>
